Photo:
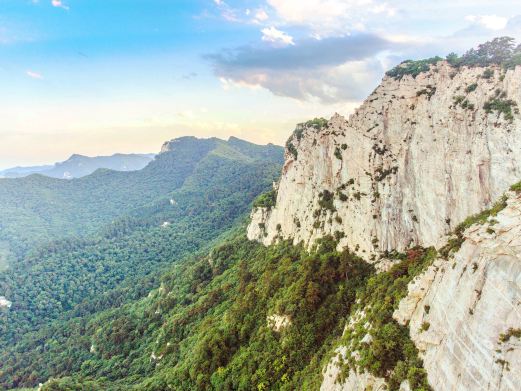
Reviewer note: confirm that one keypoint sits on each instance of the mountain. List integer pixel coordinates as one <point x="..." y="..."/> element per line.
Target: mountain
<point x="386" y="257"/>
<point x="78" y="166"/>
<point x="36" y="209"/>
<point x="419" y="156"/>
<point x="189" y="195"/>
<point x="17" y="172"/>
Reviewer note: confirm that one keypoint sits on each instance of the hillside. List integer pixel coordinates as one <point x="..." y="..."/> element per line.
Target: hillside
<point x="36" y="209"/>
<point x="78" y="166"/>
<point x="210" y="198"/>
<point x="386" y="257"/>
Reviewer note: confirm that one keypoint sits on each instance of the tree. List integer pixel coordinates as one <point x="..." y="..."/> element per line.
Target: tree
<point x="497" y="51"/>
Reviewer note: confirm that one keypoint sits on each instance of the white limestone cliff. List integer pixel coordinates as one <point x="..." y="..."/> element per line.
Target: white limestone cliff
<point x="472" y="306"/>
<point x="409" y="165"/>
<point x="463" y="313"/>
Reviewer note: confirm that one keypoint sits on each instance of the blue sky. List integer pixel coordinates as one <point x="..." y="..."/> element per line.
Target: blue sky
<point x="98" y="77"/>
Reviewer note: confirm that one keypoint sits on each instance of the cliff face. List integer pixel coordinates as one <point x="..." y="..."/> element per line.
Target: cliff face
<point x="419" y="156"/>
<point x="472" y="304"/>
<point x="463" y="315"/>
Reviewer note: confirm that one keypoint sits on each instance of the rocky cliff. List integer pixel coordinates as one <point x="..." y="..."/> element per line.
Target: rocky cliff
<point x="420" y="155"/>
<point x="463" y="314"/>
<point x="413" y="162"/>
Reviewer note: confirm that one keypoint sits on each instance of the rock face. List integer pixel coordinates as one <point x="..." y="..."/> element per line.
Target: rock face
<point x="354" y="381"/>
<point x="278" y="322"/>
<point x="464" y="314"/>
<point x="419" y="156"/>
<point x="4" y="303"/>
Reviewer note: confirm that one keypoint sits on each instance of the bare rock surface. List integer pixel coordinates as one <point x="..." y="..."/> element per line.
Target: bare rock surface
<point x="472" y="306"/>
<point x="419" y="156"/>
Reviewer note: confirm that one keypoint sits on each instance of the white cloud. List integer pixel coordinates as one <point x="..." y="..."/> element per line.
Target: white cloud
<point x="260" y="15"/>
<point x="330" y="70"/>
<point x="491" y="22"/>
<point x="59" y="4"/>
<point x="348" y="82"/>
<point x="228" y="13"/>
<point x="273" y="35"/>
<point x="34" y="75"/>
<point x="329" y="17"/>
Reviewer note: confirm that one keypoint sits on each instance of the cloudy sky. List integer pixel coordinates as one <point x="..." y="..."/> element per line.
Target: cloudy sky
<point x="104" y="76"/>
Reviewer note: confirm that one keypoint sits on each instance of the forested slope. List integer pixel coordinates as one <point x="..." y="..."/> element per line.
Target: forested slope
<point x="79" y="274"/>
<point x="37" y="209"/>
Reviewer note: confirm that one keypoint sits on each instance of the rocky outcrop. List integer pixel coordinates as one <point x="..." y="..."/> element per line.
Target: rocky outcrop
<point x="278" y="322"/>
<point x="4" y="303"/>
<point x="419" y="156"/>
<point x="355" y="381"/>
<point x="464" y="313"/>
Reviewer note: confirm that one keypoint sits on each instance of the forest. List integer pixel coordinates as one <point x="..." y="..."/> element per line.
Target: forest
<point x="72" y="276"/>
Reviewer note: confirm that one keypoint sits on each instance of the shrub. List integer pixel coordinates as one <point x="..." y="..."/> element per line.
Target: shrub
<point x="266" y="200"/>
<point x="429" y="91"/>
<point x="487" y="74"/>
<point x="342" y="197"/>
<point x="298" y="132"/>
<point x="317" y="123"/>
<point x="470" y="88"/>
<point x="505" y="337"/>
<point x="514" y="61"/>
<point x="500" y="51"/>
<point x="339" y="235"/>
<point x="326" y="200"/>
<point x="455" y="243"/>
<point x="501" y="106"/>
<point x="292" y="149"/>
<point x="516" y="187"/>
<point x="413" y="68"/>
<point x="453" y="59"/>
<point x="381" y="174"/>
<point x="458" y="99"/>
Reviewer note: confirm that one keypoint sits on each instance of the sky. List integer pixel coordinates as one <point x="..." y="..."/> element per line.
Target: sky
<point x="98" y="77"/>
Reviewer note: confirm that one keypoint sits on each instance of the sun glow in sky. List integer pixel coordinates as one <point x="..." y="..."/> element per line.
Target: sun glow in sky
<point x="98" y="77"/>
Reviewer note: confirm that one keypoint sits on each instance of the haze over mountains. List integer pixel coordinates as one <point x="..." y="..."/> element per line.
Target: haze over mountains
<point x="78" y="166"/>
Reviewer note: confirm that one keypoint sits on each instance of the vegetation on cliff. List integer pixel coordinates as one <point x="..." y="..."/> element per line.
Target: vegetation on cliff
<point x="500" y="51"/>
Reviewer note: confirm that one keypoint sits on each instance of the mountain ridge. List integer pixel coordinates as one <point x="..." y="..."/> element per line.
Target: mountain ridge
<point x="202" y="194"/>
<point x="77" y="166"/>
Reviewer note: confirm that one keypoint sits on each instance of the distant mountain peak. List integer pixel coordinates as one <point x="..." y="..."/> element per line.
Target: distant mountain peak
<point x="77" y="166"/>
